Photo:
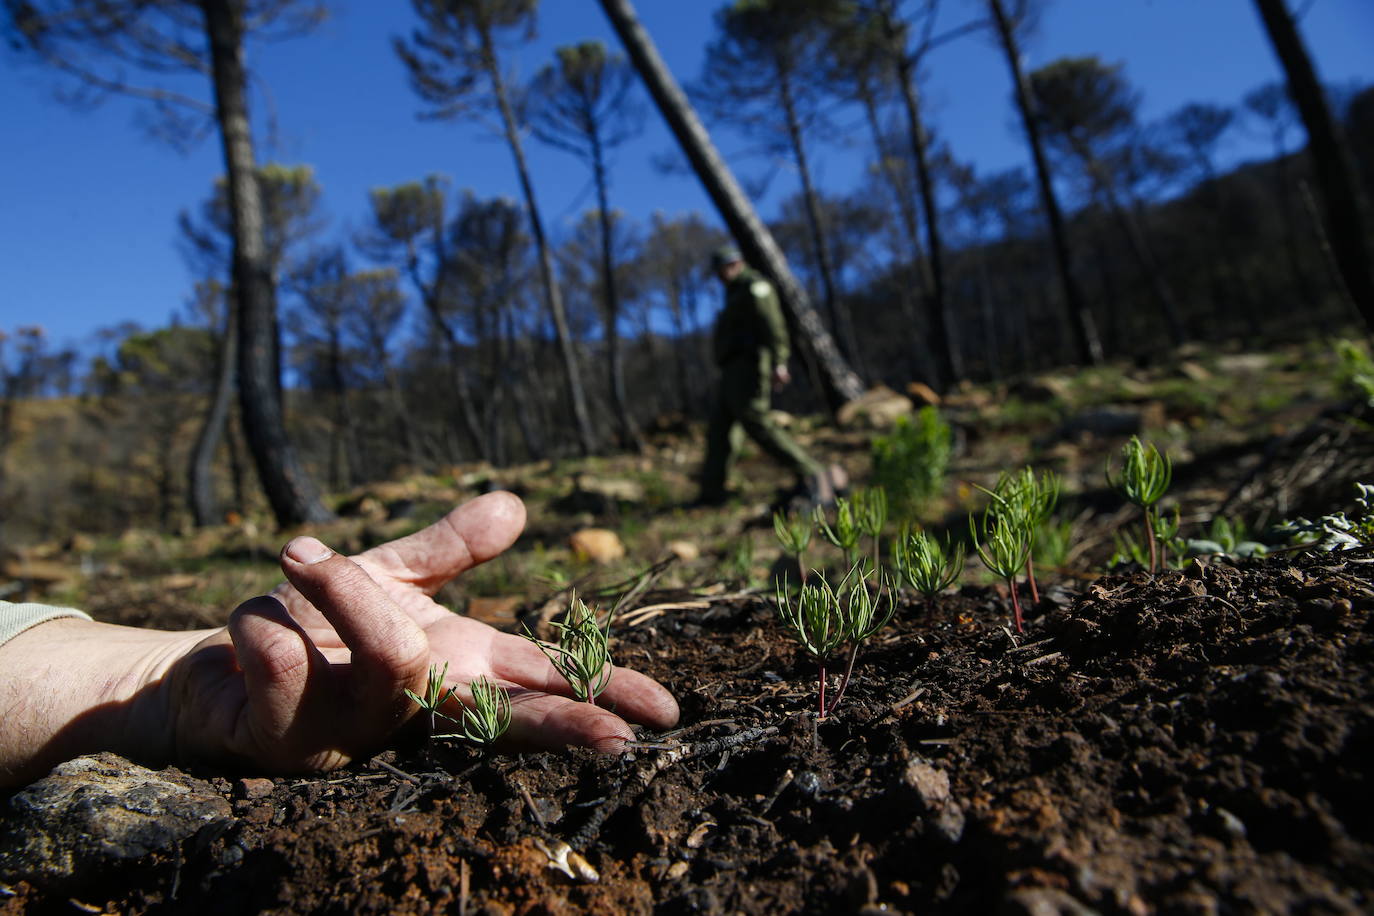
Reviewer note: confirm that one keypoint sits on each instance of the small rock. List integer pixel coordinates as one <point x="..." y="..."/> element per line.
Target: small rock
<point x="879" y="407"/>
<point x="599" y="545"/>
<point x="1193" y="372"/>
<point x="1242" y="363"/>
<point x="95" y="812"/>
<point x="1231" y="824"/>
<point x="930" y="783"/>
<point x="685" y="551"/>
<point x="922" y="395"/>
<point x="1046" y="901"/>
<point x="497" y="612"/>
<point x="253" y="788"/>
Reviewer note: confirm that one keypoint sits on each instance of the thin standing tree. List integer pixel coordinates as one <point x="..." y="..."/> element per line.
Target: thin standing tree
<point x="454" y="66"/>
<point x="581" y="105"/>
<point x="1080" y="316"/>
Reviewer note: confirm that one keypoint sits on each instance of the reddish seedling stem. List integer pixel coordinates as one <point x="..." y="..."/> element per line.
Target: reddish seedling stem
<point x="844" y="681"/>
<point x="1150" y="536"/>
<point x="1015" y="605"/>
<point x="1030" y="577"/>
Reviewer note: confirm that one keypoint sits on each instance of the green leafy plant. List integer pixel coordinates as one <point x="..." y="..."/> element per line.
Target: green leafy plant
<point x="1003" y="541"/>
<point x="1052" y="543"/>
<point x="481" y="722"/>
<point x="740" y="560"/>
<point x="822" y="619"/>
<point x="1336" y="531"/>
<point x="870" y="514"/>
<point x="911" y="462"/>
<point x="1031" y="499"/>
<point x="794" y="534"/>
<point x="582" y="654"/>
<point x="1224" y="536"/>
<point x="846" y="531"/>
<point x="1355" y="370"/>
<point x="926" y="566"/>
<point x="1144" y="479"/>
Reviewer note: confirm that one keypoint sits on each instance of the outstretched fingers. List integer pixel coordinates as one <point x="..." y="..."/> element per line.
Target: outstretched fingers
<point x="469" y="535"/>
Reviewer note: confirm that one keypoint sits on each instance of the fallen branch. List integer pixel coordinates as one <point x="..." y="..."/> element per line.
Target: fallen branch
<point x="645" y="773"/>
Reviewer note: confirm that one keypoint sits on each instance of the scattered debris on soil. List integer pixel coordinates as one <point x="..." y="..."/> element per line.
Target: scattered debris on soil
<point x="1193" y="742"/>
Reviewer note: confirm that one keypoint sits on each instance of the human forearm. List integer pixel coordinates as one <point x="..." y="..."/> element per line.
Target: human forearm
<point x="70" y="687"/>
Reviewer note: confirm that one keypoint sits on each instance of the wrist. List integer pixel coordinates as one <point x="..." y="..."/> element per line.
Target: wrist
<point x="70" y="687"/>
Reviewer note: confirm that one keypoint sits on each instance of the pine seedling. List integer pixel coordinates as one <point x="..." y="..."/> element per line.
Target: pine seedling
<point x="794" y="534"/>
<point x="814" y="620"/>
<point x="482" y="722"/>
<point x="822" y="619"/>
<point x="1003" y="541"/>
<point x="870" y="513"/>
<point x="1145" y="478"/>
<point x="582" y="654"/>
<point x="925" y="565"/>
<point x="864" y="613"/>
<point x="1031" y="499"/>
<point x="1166" y="536"/>
<point x="846" y="532"/>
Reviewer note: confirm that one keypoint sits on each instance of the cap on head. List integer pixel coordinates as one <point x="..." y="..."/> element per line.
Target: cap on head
<point x="725" y="254"/>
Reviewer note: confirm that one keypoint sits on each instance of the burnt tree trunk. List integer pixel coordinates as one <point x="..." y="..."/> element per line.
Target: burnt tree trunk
<point x="1346" y="222"/>
<point x="1081" y="318"/>
<point x="289" y="489"/>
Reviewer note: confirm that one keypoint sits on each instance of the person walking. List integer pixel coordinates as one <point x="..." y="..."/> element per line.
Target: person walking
<point x="751" y="349"/>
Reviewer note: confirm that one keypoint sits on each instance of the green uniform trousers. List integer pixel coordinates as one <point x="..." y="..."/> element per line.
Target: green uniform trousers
<point x="742" y="404"/>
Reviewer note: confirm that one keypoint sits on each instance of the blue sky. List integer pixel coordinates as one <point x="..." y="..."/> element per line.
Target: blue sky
<point x="88" y="202"/>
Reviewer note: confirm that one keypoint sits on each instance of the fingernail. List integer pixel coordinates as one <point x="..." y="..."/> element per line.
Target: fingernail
<point x="307" y="550"/>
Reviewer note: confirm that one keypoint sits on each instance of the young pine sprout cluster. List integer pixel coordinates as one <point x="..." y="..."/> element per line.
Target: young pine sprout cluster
<point x="1004" y="535"/>
<point x="482" y="721"/>
<point x="925" y="565"/>
<point x="1144" y="479"/>
<point x="824" y="619"/>
<point x="582" y="653"/>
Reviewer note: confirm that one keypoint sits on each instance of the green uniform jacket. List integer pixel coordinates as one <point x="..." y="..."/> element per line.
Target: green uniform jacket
<point x="751" y="322"/>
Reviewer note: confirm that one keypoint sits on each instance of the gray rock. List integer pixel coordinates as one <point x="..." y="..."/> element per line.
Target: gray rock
<point x="97" y="811"/>
<point x="931" y="785"/>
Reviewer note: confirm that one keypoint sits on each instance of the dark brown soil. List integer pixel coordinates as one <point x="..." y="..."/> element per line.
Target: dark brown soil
<point x="1196" y="742"/>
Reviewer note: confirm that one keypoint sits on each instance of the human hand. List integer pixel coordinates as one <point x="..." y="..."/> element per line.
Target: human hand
<point x="315" y="675"/>
<point x="782" y="377"/>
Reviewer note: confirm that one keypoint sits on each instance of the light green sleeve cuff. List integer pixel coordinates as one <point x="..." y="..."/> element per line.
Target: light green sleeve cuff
<point x="16" y="618"/>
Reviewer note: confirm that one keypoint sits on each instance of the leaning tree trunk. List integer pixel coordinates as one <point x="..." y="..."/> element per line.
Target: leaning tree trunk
<point x="1347" y="224"/>
<point x="553" y="296"/>
<point x="1089" y="346"/>
<point x="200" y="488"/>
<point x="290" y="491"/>
<point x="838" y="380"/>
